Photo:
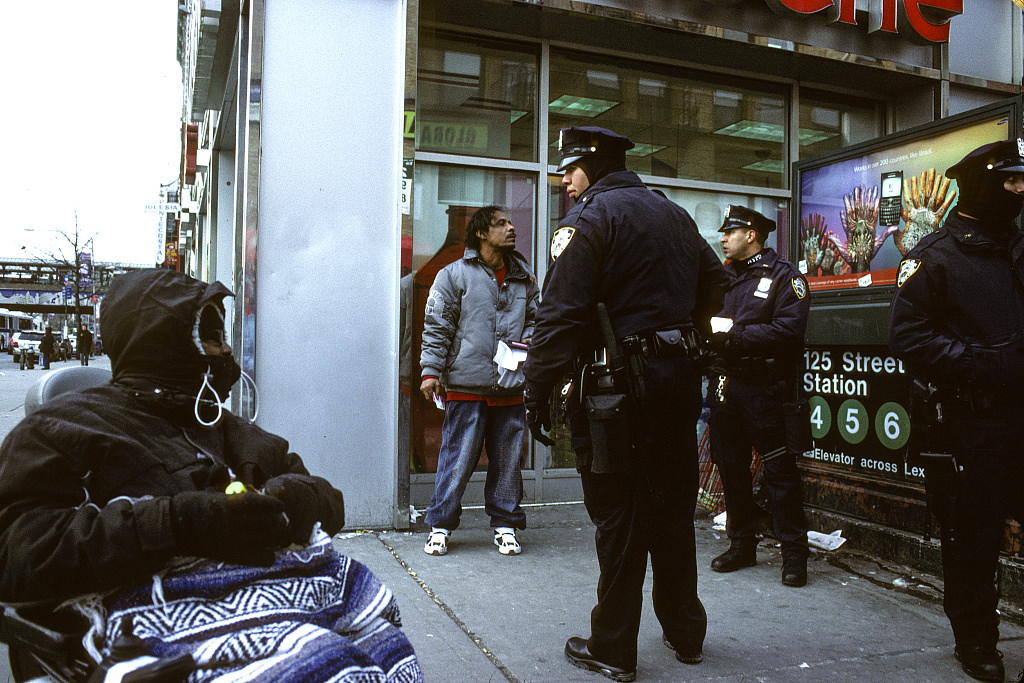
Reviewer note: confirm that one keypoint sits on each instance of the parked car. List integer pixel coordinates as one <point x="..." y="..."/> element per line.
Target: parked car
<point x="25" y="340"/>
<point x="30" y="339"/>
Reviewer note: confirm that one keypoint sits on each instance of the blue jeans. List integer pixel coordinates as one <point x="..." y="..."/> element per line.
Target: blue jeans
<point x="468" y="427"/>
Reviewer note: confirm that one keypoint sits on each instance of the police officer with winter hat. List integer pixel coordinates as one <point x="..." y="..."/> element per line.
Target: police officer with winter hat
<point x="957" y="321"/>
<point x="631" y="280"/>
<point x="760" y="337"/>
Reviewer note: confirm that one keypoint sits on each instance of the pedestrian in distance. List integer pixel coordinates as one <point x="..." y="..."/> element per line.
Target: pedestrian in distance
<point x="957" y="321"/>
<point x="84" y="344"/>
<point x="47" y="348"/>
<point x="487" y="297"/>
<point x="759" y="342"/>
<point x="630" y="289"/>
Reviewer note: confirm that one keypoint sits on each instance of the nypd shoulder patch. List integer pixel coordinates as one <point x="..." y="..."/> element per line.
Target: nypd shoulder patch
<point x="907" y="268"/>
<point x="560" y="240"/>
<point x="799" y="287"/>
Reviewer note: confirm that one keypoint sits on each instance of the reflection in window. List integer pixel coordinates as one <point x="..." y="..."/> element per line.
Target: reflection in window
<point x="828" y="124"/>
<point x="445" y="198"/>
<point x="706" y="208"/>
<point x="476" y="98"/>
<point x="683" y="127"/>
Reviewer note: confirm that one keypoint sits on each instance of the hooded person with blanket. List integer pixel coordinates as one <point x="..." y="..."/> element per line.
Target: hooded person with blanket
<point x="146" y="498"/>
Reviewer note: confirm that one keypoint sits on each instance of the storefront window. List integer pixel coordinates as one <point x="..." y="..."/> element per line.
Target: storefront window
<point x="828" y="124"/>
<point x="444" y="199"/>
<point x="476" y="98"/>
<point x="683" y="127"/>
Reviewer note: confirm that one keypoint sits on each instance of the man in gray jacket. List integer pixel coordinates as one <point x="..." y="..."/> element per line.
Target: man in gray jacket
<point x="487" y="297"/>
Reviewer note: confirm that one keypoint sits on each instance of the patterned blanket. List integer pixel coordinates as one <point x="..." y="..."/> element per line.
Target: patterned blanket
<point x="313" y="616"/>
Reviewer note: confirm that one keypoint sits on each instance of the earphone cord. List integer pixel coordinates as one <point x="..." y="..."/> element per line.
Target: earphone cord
<point x="199" y="399"/>
<point x="250" y="396"/>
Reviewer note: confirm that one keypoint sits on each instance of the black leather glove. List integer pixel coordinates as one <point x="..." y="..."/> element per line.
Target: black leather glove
<point x="538" y="418"/>
<point x="242" y="528"/>
<point x="711" y="364"/>
<point x="720" y="342"/>
<point x="301" y="503"/>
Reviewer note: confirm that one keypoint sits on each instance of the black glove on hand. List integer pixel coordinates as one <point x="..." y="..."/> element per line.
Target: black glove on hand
<point x="538" y="419"/>
<point x="720" y="342"/>
<point x="301" y="503"/>
<point x="711" y="364"/>
<point x="242" y="528"/>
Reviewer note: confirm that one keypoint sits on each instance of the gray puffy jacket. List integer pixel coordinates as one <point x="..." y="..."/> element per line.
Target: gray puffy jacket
<point x="465" y="317"/>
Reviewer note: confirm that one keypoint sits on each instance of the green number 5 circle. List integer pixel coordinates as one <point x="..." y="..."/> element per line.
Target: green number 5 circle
<point x="852" y="421"/>
<point x="892" y="425"/>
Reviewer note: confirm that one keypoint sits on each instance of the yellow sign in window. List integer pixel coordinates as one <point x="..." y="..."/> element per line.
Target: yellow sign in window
<point x="464" y="138"/>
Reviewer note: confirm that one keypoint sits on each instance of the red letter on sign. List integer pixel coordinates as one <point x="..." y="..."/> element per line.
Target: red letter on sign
<point x="842" y="11"/>
<point x="801" y="6"/>
<point x="882" y="16"/>
<point x="930" y="18"/>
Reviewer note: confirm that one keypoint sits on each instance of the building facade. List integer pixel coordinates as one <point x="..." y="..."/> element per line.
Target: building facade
<point x="341" y="147"/>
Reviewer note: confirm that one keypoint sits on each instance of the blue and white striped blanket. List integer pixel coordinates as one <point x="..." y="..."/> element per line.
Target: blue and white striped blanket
<point x="313" y="616"/>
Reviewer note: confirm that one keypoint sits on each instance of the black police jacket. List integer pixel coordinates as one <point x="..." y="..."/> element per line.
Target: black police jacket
<point x="957" y="316"/>
<point x="768" y="304"/>
<point x="637" y="252"/>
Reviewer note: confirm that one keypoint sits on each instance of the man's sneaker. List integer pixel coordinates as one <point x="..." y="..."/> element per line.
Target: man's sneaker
<point x="505" y="539"/>
<point x="437" y="542"/>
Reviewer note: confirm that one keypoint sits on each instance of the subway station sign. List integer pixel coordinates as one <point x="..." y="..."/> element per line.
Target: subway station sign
<point x="927" y="19"/>
<point x="860" y="420"/>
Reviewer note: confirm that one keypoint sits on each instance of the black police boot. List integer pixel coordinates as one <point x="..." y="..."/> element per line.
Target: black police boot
<point x="578" y="654"/>
<point x="981" y="662"/>
<point x="686" y="655"/>
<point x="794" y="572"/>
<point x="739" y="555"/>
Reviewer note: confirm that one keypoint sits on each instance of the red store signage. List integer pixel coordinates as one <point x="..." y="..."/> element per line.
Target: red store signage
<point x="929" y="19"/>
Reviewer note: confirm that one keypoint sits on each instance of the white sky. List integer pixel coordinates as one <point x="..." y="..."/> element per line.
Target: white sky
<point x="90" y="121"/>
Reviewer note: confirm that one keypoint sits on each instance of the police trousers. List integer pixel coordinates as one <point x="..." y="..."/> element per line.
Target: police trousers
<point x="751" y="417"/>
<point x="634" y="521"/>
<point x="972" y="504"/>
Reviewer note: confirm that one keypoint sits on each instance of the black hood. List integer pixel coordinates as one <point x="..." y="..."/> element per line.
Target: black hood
<point x="148" y="321"/>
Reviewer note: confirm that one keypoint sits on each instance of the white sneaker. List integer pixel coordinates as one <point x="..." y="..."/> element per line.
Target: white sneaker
<point x="437" y="542"/>
<point x="505" y="539"/>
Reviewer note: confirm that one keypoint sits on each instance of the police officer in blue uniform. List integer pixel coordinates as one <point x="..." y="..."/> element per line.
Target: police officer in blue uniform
<point x="761" y="344"/>
<point x="957" y="321"/>
<point x="633" y="422"/>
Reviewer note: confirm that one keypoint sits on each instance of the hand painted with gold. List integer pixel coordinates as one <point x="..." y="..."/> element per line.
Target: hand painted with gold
<point x="926" y="199"/>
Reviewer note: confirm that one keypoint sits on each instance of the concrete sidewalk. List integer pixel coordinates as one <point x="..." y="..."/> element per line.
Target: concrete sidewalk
<point x="475" y="615"/>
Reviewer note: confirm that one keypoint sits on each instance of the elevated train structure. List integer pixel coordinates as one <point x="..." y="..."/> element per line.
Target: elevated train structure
<point x="33" y="286"/>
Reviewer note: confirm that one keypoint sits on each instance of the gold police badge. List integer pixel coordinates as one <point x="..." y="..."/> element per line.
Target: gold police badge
<point x="907" y="268"/>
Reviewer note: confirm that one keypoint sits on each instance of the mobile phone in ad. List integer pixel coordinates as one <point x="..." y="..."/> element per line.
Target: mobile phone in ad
<point x="891" y="204"/>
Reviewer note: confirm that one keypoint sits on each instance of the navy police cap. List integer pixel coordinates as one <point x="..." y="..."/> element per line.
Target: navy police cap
<point x="742" y="217"/>
<point x="1005" y="156"/>
<point x="577" y="142"/>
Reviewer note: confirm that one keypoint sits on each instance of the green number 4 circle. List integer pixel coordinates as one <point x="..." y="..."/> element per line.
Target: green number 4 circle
<point x="892" y="425"/>
<point x="821" y="416"/>
<point x="852" y="421"/>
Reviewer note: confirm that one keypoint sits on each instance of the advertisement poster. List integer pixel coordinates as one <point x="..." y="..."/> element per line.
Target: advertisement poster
<point x="860" y="215"/>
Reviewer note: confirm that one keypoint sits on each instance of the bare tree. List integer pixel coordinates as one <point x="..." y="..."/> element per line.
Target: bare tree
<point x="79" y="271"/>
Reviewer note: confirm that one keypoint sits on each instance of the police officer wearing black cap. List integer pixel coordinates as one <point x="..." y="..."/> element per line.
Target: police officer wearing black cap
<point x="957" y="321"/>
<point x="630" y="263"/>
<point x="760" y="337"/>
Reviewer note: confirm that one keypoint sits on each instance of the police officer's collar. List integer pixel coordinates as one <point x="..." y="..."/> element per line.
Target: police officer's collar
<point x="971" y="231"/>
<point x="763" y="259"/>
<point x="612" y="181"/>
